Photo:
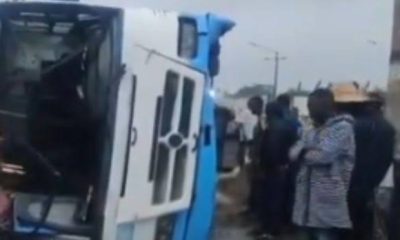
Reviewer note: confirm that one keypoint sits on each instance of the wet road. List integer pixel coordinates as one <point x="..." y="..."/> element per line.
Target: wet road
<point x="233" y="191"/>
<point x="231" y="201"/>
<point x="231" y="198"/>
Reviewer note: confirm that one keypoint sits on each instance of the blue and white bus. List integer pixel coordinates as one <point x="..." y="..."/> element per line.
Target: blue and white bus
<point x="106" y="124"/>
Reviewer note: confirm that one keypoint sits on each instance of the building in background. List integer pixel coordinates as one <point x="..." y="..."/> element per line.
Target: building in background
<point x="237" y="102"/>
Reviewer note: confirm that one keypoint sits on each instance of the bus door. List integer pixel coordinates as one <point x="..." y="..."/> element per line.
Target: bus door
<point x="163" y="139"/>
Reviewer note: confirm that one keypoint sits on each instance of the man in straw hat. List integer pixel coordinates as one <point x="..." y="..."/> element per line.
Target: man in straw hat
<point x="326" y="154"/>
<point x="374" y="137"/>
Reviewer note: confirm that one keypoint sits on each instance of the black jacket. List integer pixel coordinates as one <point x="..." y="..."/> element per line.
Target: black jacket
<point x="275" y="144"/>
<point x="375" y="139"/>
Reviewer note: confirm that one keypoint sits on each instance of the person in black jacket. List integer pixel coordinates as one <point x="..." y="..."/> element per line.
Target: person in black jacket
<point x="256" y="106"/>
<point x="291" y="115"/>
<point x="276" y="141"/>
<point x="375" y="138"/>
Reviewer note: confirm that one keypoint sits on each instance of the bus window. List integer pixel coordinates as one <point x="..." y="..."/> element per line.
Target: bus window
<point x="187" y="41"/>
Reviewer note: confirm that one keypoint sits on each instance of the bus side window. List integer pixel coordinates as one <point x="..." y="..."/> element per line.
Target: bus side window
<point x="187" y="39"/>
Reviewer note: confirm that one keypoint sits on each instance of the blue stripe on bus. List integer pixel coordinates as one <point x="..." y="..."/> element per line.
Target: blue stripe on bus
<point x="196" y="223"/>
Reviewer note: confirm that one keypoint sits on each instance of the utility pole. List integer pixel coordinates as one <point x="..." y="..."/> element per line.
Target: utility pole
<point x="277" y="58"/>
<point x="276" y="74"/>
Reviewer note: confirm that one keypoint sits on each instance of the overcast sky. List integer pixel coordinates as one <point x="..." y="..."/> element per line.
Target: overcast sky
<point x="323" y="39"/>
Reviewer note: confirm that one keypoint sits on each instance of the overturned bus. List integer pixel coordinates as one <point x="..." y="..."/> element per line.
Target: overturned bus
<point x="106" y="127"/>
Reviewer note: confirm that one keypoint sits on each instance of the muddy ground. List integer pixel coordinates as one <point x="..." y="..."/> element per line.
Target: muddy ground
<point x="230" y="225"/>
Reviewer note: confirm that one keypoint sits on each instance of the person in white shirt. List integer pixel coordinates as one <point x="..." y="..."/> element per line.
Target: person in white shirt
<point x="247" y="122"/>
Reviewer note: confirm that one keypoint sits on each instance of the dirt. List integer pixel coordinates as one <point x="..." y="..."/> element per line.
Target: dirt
<point x="231" y="202"/>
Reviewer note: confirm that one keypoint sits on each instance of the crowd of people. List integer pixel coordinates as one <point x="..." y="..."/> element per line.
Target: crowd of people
<point x="320" y="180"/>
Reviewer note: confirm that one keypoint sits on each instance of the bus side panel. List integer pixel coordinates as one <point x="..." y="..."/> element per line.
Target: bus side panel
<point x="203" y="203"/>
<point x="196" y="224"/>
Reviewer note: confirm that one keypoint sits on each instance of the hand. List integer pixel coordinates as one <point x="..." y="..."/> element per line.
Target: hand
<point x="311" y="153"/>
<point x="295" y="151"/>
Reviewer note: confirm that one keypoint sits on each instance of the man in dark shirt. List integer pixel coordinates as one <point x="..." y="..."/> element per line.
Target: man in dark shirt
<point x="290" y="112"/>
<point x="274" y="160"/>
<point x="255" y="105"/>
<point x="292" y="118"/>
<point x="375" y="138"/>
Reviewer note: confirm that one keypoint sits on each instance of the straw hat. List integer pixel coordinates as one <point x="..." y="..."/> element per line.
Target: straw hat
<point x="349" y="93"/>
